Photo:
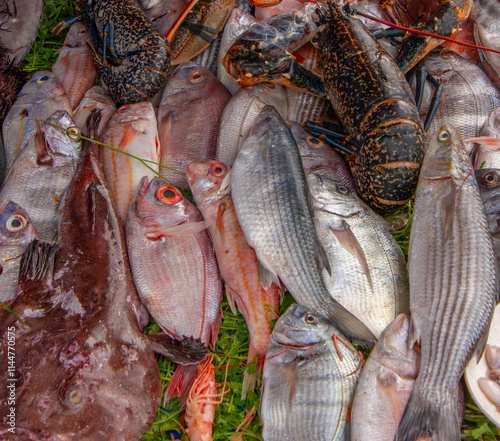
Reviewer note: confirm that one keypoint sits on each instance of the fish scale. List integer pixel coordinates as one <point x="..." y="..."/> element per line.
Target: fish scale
<point x="452" y="292"/>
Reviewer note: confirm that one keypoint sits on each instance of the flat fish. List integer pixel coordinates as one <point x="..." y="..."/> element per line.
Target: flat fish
<point x="273" y="207"/>
<point x="310" y="375"/>
<point x="453" y="285"/>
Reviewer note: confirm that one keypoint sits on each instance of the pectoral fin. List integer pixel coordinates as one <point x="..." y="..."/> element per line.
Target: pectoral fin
<point x="267" y="277"/>
<point x="183" y="229"/>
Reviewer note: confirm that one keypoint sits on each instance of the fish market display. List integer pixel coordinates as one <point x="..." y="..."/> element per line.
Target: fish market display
<point x="16" y="233"/>
<point x="189" y="119"/>
<point x="272" y="205"/>
<point x="75" y="66"/>
<point x="39" y="98"/>
<point x="42" y="171"/>
<point x="453" y="291"/>
<point x="310" y="375"/>
<point x="132" y="129"/>
<point x="385" y="384"/>
<point x="174" y="267"/>
<point x="84" y="369"/>
<point x="368" y="269"/>
<point x="237" y="261"/>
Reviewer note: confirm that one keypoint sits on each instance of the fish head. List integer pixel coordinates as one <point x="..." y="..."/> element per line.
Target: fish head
<point x="333" y="196"/>
<point x="442" y="63"/>
<point x="488" y="180"/>
<point x="58" y="139"/>
<point x="446" y="157"/>
<point x="208" y="180"/>
<point x="301" y="328"/>
<point x="312" y="150"/>
<point x="40" y="87"/>
<point x="492" y="126"/>
<point x="77" y="35"/>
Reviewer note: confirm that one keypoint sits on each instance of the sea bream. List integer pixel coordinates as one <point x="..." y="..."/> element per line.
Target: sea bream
<point x="273" y="206"/>
<point x="453" y="285"/>
<point x="310" y="375"/>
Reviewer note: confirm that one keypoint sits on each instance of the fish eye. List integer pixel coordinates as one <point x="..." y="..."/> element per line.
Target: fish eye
<point x="82" y="32"/>
<point x="169" y="195"/>
<point x="218" y="170"/>
<point x="15" y="223"/>
<point x="490" y="178"/>
<point x="196" y="77"/>
<point x="74" y="132"/>
<point x="445" y="53"/>
<point x="310" y="318"/>
<point x="43" y="79"/>
<point x="444" y="135"/>
<point x="342" y="189"/>
<point x="74" y="396"/>
<point x="314" y="142"/>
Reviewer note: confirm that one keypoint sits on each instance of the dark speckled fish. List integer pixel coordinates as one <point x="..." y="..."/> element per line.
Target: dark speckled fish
<point x="84" y="370"/>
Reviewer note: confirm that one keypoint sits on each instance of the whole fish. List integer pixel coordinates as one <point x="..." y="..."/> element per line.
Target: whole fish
<point x="75" y="66"/>
<point x="310" y="375"/>
<point x="237" y="261"/>
<point x="189" y="119"/>
<point x="84" y="369"/>
<point x="273" y="207"/>
<point x="132" y="128"/>
<point x="174" y="268"/>
<point x="453" y="285"/>
<point x="385" y="384"/>
<point x="239" y="115"/>
<point x="42" y="171"/>
<point x="318" y="157"/>
<point x="369" y="276"/>
<point x="16" y="233"/>
<point x="39" y="98"/>
<point x="95" y="98"/>
<point x="468" y="95"/>
<point x="482" y="155"/>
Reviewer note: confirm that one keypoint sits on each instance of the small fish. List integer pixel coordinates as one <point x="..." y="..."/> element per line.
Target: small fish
<point x="42" y="171"/>
<point x="385" y="384"/>
<point x="453" y="285"/>
<point x="189" y="119"/>
<point x="369" y="276"/>
<point x="310" y="375"/>
<point x="132" y="128"/>
<point x="75" y="66"/>
<point x="237" y="261"/>
<point x="16" y="233"/>
<point x="273" y="206"/>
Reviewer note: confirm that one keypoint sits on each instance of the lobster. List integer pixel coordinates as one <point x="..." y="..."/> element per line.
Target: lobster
<point x="139" y="56"/>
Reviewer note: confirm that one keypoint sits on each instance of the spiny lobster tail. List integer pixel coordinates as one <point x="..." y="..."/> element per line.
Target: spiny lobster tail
<point x="12" y="79"/>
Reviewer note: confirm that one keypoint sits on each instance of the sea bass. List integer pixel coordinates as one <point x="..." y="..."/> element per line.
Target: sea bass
<point x="273" y="207"/>
<point x="369" y="276"/>
<point x="84" y="369"/>
<point x="385" y="384"/>
<point x="310" y="375"/>
<point x="453" y="285"/>
<point x="237" y="261"/>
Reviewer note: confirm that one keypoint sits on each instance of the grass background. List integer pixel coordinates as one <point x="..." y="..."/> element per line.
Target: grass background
<point x="232" y="345"/>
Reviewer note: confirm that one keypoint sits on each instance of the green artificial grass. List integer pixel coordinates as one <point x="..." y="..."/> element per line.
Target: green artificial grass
<point x="232" y="344"/>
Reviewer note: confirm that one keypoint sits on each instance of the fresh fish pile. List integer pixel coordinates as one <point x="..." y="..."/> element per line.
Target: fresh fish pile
<point x="273" y="209"/>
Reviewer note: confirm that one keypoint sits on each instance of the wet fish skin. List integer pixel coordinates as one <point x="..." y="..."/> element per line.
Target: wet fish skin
<point x="237" y="261"/>
<point x="318" y="157"/>
<point x="189" y="119"/>
<point x="42" y="171"/>
<point x="16" y="233"/>
<point x="132" y="128"/>
<point x="75" y="66"/>
<point x="484" y="156"/>
<point x="272" y="204"/>
<point x="239" y="115"/>
<point x="95" y="98"/>
<point x="385" y="384"/>
<point x="307" y="390"/>
<point x="369" y="276"/>
<point x="453" y="293"/>
<point x="40" y="97"/>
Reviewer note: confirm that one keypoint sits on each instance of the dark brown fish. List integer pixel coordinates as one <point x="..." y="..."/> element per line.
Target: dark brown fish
<point x="83" y="368"/>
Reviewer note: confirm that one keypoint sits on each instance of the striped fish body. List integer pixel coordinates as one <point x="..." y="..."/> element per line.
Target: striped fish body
<point x="453" y="285"/>
<point x="308" y="384"/>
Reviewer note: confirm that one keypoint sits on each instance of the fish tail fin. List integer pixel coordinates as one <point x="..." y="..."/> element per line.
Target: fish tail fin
<point x="251" y="373"/>
<point x="423" y="416"/>
<point x="181" y="383"/>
